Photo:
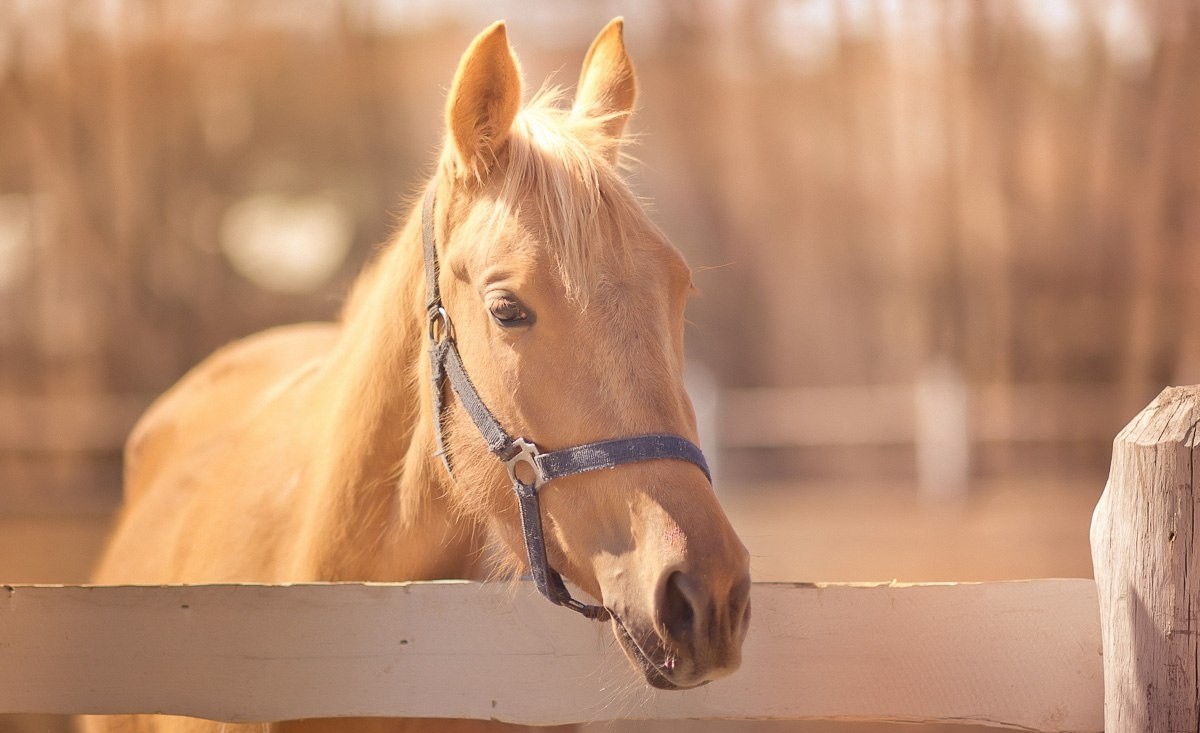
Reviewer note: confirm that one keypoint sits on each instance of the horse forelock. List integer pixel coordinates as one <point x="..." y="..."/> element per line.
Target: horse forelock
<point x="559" y="163"/>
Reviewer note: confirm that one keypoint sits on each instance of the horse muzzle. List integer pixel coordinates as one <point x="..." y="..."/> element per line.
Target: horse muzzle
<point x="694" y="634"/>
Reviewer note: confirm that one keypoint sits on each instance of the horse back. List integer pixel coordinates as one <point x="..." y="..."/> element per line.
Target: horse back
<point x="218" y="392"/>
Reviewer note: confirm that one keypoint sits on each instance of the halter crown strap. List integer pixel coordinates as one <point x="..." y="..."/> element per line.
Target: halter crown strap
<point x="433" y="295"/>
<point x="446" y="365"/>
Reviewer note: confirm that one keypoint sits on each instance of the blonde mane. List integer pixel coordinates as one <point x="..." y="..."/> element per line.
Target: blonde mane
<point x="563" y="164"/>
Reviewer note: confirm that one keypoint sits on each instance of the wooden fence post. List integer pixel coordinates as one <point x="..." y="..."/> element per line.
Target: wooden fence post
<point x="1148" y="569"/>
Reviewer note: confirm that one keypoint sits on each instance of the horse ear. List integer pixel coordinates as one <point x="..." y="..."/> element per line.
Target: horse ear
<point x="484" y="99"/>
<point x="607" y="83"/>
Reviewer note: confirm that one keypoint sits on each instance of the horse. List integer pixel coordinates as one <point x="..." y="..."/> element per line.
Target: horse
<point x="340" y="452"/>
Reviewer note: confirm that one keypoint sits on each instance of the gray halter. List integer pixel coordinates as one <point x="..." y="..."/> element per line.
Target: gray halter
<point x="445" y="363"/>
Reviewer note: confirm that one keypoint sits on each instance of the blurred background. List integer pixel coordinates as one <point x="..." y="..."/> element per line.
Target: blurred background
<point x="945" y="249"/>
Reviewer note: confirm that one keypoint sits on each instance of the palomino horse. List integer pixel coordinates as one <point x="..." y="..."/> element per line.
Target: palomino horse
<point x="311" y="452"/>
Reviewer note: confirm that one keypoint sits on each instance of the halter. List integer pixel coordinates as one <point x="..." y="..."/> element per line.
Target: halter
<point x="515" y="453"/>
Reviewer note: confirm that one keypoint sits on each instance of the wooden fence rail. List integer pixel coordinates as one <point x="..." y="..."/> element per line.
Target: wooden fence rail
<point x="1022" y="654"/>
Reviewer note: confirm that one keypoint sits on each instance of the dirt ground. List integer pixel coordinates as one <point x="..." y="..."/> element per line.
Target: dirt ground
<point x="811" y="532"/>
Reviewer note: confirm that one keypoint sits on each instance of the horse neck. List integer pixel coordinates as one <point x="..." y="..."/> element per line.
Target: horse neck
<point x="377" y="507"/>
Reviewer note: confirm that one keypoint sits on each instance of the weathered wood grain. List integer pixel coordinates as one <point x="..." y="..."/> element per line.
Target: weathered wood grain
<point x="1148" y="571"/>
<point x="1022" y="654"/>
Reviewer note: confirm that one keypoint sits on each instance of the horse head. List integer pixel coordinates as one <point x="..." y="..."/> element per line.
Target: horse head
<point x="567" y="306"/>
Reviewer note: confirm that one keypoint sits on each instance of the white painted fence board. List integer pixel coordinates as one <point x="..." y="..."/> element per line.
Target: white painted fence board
<point x="790" y="417"/>
<point x="1021" y="654"/>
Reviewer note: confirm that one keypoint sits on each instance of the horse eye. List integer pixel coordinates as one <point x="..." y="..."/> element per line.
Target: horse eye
<point x="508" y="312"/>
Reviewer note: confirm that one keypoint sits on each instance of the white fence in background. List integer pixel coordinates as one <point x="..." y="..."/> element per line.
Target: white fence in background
<point x="941" y="416"/>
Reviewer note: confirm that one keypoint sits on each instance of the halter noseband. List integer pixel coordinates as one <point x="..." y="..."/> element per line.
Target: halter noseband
<point x="540" y="468"/>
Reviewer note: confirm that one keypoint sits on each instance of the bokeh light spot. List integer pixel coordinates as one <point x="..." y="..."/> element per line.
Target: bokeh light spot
<point x="16" y="238"/>
<point x="287" y="244"/>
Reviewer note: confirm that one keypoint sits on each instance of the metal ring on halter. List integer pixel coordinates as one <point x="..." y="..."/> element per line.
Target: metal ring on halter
<point x="440" y="316"/>
<point x="527" y="453"/>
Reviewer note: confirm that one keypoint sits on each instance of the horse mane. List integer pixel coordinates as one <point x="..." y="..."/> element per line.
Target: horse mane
<point x="568" y="167"/>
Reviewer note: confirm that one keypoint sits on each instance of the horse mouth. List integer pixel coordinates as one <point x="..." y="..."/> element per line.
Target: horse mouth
<point x="657" y="674"/>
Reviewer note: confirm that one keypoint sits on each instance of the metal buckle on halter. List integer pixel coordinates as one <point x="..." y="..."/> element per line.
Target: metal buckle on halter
<point x="436" y="316"/>
<point x="527" y="453"/>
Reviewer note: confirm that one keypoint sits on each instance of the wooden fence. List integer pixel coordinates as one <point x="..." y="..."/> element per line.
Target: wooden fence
<point x="1117" y="654"/>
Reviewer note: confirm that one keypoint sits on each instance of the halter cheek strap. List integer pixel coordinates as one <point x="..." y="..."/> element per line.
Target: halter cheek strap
<point x="528" y="468"/>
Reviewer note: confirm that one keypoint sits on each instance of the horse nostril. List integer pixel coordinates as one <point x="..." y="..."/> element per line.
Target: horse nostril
<point x="677" y="613"/>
